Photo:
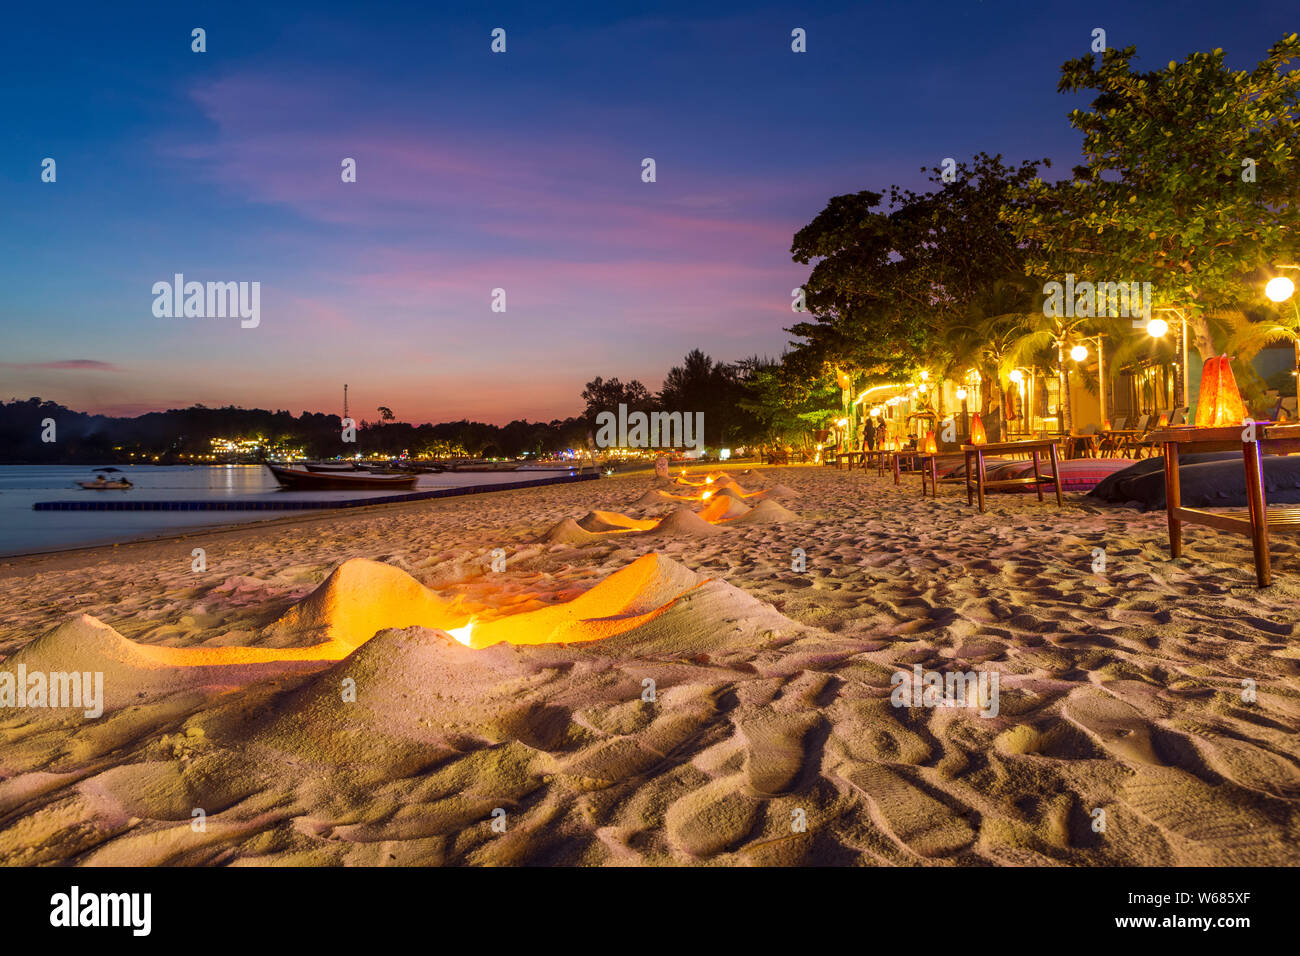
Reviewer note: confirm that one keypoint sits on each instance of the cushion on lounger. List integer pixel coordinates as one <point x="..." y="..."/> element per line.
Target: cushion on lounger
<point x="1108" y="489"/>
<point x="1219" y="482"/>
<point x="1077" y="474"/>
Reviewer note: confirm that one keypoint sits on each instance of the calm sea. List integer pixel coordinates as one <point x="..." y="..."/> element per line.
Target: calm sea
<point x="24" y="531"/>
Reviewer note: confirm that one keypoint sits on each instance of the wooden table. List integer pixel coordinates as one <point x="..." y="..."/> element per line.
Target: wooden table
<point x="930" y="475"/>
<point x="1252" y="521"/>
<point x="1034" y="446"/>
<point x="910" y="454"/>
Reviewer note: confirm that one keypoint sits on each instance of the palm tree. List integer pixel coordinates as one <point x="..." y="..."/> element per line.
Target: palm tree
<point x="1050" y="332"/>
<point x="1250" y="337"/>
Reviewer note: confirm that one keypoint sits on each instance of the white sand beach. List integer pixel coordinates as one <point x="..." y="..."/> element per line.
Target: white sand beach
<point x="1125" y="731"/>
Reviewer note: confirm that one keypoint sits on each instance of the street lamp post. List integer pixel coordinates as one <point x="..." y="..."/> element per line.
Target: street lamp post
<point x="1279" y="289"/>
<point x="1156" y="328"/>
<point x="1079" y="353"/>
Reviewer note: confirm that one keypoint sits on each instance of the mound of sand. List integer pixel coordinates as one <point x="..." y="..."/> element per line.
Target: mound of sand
<point x="684" y="521"/>
<point x="767" y="512"/>
<point x="361" y="597"/>
<point x="779" y="491"/>
<point x="602" y="521"/>
<point x="734" y="491"/>
<point x="624" y="600"/>
<point x="131" y="671"/>
<point x="568" y="531"/>
<point x="723" y="508"/>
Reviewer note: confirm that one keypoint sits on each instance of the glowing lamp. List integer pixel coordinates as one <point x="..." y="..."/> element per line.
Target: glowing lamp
<point x="961" y="394"/>
<point x="842" y="378"/>
<point x="1164" y="420"/>
<point x="925" y="376"/>
<point x="875" y="412"/>
<point x="977" y="434"/>
<point x="1279" y="289"/>
<point x="931" y="447"/>
<point x="1079" y="353"/>
<point x="1105" y="425"/>
<point x="1016" y="376"/>
<point x="1220" y="401"/>
<point x="1157" y="328"/>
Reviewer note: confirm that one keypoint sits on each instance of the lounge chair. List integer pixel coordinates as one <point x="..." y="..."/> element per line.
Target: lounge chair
<point x="1111" y="444"/>
<point x="1132" y="443"/>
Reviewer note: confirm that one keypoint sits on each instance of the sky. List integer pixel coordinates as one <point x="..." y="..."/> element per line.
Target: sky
<point x="477" y="171"/>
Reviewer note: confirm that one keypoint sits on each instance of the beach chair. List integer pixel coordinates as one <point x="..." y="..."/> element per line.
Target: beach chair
<point x="1133" y="443"/>
<point x="1179" y="415"/>
<point x="1110" y="444"/>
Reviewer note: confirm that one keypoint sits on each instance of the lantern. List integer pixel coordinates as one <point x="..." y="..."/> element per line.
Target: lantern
<point x="1220" y="401"/>
<point x="977" y="434"/>
<point x="1164" y="420"/>
<point x="1105" y="425"/>
<point x="842" y="379"/>
<point x="931" y="447"/>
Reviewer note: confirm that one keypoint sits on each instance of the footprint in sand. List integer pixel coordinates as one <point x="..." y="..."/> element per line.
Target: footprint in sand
<point x="776" y="750"/>
<point x="1117" y="726"/>
<point x="909" y="815"/>
<point x="714" y="818"/>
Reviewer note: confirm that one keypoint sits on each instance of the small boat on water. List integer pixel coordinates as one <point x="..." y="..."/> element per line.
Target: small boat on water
<point x="101" y="481"/>
<point x="106" y="484"/>
<point x="330" y="466"/>
<point x="338" y="481"/>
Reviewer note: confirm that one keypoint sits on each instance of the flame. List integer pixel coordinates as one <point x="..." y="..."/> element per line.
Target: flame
<point x="706" y="495"/>
<point x="462" y="634"/>
<point x="708" y="480"/>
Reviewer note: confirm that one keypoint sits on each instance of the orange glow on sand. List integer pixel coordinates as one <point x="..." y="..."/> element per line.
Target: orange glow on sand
<point x="626" y="599"/>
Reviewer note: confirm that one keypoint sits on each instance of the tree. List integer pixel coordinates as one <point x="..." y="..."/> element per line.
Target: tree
<point x="892" y="287"/>
<point x="385" y="413"/>
<point x="1190" y="181"/>
<point x="602" y="396"/>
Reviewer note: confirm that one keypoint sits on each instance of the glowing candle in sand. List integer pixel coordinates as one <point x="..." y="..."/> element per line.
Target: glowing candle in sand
<point x="977" y="434"/>
<point x="462" y="634"/>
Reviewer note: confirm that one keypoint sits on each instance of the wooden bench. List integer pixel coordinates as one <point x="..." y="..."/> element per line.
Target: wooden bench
<point x="1253" y="521"/>
<point x="1034" y="447"/>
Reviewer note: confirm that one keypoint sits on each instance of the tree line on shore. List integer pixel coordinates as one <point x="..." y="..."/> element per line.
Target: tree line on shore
<point x="1189" y="186"/>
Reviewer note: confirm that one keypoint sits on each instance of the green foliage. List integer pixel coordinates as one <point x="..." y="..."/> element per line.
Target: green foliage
<point x="1160" y="196"/>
